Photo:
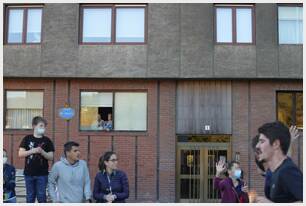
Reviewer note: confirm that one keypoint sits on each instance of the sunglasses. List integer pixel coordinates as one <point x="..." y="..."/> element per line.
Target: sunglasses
<point x="114" y="160"/>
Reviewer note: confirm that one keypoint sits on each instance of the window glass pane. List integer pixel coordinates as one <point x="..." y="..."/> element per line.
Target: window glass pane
<point x="244" y="25"/>
<point x="21" y="107"/>
<point x="34" y="25"/>
<point x="290" y="25"/>
<point x="299" y="110"/>
<point x="15" y="26"/>
<point x="190" y="162"/>
<point x="284" y="108"/>
<point x="131" y="111"/>
<point x="96" y="111"/>
<point x="190" y="188"/>
<point x="130" y="24"/>
<point x="224" y="25"/>
<point x="97" y="24"/>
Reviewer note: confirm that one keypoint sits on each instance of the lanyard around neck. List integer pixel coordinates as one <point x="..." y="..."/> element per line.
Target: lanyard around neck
<point x="109" y="183"/>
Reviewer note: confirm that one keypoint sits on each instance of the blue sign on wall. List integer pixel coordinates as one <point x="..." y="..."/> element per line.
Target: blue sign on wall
<point x="66" y="113"/>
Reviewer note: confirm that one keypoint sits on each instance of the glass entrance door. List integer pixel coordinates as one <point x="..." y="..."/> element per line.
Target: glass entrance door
<point x="196" y="169"/>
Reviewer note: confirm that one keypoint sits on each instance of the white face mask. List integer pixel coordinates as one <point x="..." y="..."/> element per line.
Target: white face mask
<point x="40" y="131"/>
<point x="237" y="174"/>
<point x="4" y="160"/>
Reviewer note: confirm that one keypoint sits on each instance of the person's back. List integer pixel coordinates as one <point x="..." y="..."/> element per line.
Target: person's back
<point x="286" y="183"/>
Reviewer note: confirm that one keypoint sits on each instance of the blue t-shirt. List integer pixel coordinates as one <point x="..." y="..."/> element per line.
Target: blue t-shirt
<point x="268" y="177"/>
<point x="286" y="183"/>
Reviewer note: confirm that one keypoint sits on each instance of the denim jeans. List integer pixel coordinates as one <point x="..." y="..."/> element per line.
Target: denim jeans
<point x="11" y="200"/>
<point x="36" y="188"/>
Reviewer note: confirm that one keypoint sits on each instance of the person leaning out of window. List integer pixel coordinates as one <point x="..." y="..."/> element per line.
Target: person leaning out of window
<point x="111" y="184"/>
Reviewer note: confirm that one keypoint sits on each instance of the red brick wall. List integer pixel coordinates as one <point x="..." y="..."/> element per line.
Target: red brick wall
<point x="261" y="98"/>
<point x="167" y="142"/>
<point x="253" y="103"/>
<point x="57" y="93"/>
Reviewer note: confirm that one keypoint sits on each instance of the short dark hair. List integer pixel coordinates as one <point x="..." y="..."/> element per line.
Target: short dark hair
<point x="36" y="120"/>
<point x="68" y="146"/>
<point x="105" y="157"/>
<point x="229" y="166"/>
<point x="255" y="141"/>
<point x="277" y="131"/>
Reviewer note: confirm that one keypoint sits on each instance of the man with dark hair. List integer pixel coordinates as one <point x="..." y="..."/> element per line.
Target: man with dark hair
<point x="37" y="150"/>
<point x="69" y="180"/>
<point x="286" y="183"/>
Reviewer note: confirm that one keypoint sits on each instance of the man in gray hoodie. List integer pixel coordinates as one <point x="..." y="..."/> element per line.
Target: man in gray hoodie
<point x="69" y="180"/>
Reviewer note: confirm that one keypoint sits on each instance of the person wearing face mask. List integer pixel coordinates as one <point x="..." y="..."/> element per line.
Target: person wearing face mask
<point x="9" y="174"/>
<point x="37" y="149"/>
<point x="232" y="188"/>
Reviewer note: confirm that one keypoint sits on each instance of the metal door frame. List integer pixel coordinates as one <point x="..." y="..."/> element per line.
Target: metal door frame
<point x="203" y="147"/>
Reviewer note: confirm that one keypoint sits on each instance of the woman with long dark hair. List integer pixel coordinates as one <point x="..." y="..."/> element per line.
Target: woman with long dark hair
<point x="111" y="184"/>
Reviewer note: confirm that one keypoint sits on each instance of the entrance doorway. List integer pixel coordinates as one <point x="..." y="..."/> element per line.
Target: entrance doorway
<point x="196" y="167"/>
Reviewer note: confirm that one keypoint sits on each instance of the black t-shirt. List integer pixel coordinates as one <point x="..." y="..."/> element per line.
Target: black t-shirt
<point x="286" y="183"/>
<point x="36" y="164"/>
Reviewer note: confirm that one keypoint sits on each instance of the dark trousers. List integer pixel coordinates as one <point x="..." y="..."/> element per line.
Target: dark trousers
<point x="36" y="188"/>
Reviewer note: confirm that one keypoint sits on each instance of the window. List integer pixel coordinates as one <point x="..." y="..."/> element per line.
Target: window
<point x="23" y="25"/>
<point x="95" y="107"/>
<point x="290" y="24"/>
<point x="130" y="24"/>
<point x="21" y="107"/>
<point x="290" y="108"/>
<point x="93" y="33"/>
<point x="234" y="24"/>
<point x="128" y="108"/>
<point x="113" y="24"/>
<point x="131" y="111"/>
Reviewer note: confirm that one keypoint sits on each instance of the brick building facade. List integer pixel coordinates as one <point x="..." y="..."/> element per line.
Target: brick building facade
<point x="232" y="89"/>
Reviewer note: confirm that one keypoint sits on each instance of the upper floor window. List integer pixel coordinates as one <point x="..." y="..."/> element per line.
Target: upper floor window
<point x="108" y="24"/>
<point x="234" y="24"/>
<point x="290" y="24"/>
<point x="23" y="25"/>
<point x="22" y="107"/>
<point x="290" y="108"/>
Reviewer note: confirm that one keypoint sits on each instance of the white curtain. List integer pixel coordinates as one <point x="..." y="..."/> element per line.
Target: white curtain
<point x="97" y="99"/>
<point x="21" y="118"/>
<point x="131" y="111"/>
<point x="290" y="25"/>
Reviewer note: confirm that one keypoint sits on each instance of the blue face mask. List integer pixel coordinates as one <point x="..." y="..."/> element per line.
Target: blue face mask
<point x="237" y="174"/>
<point x="40" y="131"/>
